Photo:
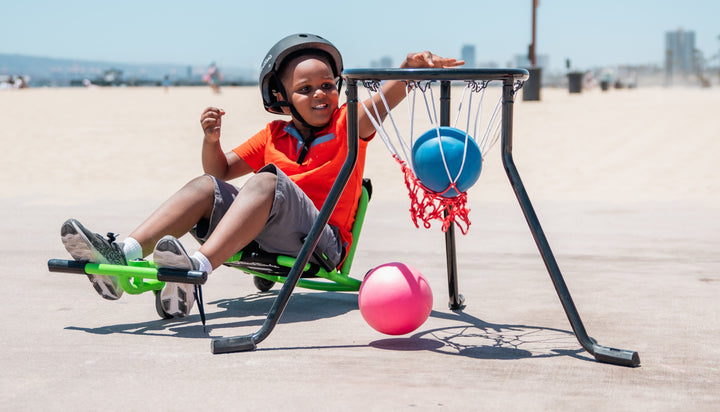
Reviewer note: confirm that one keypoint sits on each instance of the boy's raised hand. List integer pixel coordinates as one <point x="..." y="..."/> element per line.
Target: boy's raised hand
<point x="426" y="59"/>
<point x="395" y="91"/>
<point x="211" y="120"/>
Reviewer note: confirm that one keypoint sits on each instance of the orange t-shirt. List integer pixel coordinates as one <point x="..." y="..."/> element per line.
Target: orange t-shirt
<point x="279" y="143"/>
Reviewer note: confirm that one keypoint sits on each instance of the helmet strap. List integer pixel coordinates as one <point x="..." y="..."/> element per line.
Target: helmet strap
<point x="339" y="84"/>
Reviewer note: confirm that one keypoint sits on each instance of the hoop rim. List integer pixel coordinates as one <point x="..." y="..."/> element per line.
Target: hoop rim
<point x="437" y="74"/>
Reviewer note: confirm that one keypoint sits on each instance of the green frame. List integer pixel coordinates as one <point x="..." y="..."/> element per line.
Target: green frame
<point x="137" y="277"/>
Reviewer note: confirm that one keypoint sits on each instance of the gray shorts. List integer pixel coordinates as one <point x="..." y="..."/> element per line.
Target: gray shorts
<point x="291" y="218"/>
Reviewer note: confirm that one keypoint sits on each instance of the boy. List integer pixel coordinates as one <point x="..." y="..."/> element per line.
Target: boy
<point x="295" y="163"/>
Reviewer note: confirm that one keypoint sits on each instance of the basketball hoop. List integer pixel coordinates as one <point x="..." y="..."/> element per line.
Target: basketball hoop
<point x="445" y="161"/>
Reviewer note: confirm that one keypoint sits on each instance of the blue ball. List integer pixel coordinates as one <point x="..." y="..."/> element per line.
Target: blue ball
<point x="427" y="160"/>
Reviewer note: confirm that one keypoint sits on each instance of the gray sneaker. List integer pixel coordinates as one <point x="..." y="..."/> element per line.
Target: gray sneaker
<point x="92" y="247"/>
<point x="176" y="299"/>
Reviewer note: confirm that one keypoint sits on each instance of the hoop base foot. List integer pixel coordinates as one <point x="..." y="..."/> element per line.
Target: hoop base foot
<point x="621" y="357"/>
<point x="458" y="304"/>
<point x="235" y="344"/>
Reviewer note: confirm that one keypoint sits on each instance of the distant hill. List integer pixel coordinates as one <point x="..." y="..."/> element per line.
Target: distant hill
<point x="43" y="71"/>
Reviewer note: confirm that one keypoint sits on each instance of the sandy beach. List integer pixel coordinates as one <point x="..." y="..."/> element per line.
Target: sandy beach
<point x="624" y="183"/>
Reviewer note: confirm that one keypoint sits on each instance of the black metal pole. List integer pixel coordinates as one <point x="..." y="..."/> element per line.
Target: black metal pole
<point x="601" y="353"/>
<point x="248" y="342"/>
<point x="456" y="300"/>
<point x="532" y="45"/>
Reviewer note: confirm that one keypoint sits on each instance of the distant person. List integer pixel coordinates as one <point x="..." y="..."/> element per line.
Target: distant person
<point x="88" y="84"/>
<point x="590" y="82"/>
<point x="293" y="164"/>
<point x="20" y="82"/>
<point x="213" y="77"/>
<point x="9" y="83"/>
<point x="166" y="83"/>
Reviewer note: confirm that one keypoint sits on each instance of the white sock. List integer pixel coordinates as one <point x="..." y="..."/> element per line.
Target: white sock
<point x="132" y="249"/>
<point x="205" y="265"/>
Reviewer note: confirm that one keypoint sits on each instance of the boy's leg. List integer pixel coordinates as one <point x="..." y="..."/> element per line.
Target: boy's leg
<point x="244" y="219"/>
<point x="174" y="218"/>
<point x="272" y="210"/>
<point x="292" y="217"/>
<point x="178" y="214"/>
<point x="269" y="208"/>
<point x="248" y="214"/>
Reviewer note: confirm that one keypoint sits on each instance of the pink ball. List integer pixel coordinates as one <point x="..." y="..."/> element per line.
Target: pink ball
<point x="395" y="299"/>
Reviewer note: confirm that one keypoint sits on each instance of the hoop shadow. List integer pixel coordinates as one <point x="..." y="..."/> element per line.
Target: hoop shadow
<point x="478" y="339"/>
<point x="303" y="307"/>
<point x="474" y="338"/>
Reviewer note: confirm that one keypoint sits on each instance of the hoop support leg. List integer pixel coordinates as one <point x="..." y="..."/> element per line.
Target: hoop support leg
<point x="601" y="353"/>
<point x="456" y="299"/>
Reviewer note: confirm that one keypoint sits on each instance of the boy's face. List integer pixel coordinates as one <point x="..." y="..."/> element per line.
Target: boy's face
<point x="311" y="88"/>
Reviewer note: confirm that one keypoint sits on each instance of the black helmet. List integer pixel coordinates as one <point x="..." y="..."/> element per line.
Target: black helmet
<point x="280" y="52"/>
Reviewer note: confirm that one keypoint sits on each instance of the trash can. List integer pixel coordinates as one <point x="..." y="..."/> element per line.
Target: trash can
<point x="575" y="80"/>
<point x="531" y="88"/>
<point x="604" y="85"/>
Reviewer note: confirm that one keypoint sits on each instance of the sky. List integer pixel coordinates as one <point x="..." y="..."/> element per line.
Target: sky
<point x="238" y="33"/>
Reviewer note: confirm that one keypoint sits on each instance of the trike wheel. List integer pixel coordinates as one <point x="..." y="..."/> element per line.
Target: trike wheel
<point x="263" y="284"/>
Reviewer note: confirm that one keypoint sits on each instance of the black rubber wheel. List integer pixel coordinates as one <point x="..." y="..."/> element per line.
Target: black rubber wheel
<point x="263" y="284"/>
<point x="158" y="306"/>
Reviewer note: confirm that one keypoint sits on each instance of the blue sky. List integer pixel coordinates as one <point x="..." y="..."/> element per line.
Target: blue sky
<point x="239" y="33"/>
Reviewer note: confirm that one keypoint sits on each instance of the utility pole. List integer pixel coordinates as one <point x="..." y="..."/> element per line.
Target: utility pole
<point x="531" y="89"/>
<point x="532" y="45"/>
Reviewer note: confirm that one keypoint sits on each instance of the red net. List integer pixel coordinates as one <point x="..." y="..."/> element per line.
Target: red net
<point x="426" y="205"/>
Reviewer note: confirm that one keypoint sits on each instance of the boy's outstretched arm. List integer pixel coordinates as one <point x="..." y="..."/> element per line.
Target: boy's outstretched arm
<point x="215" y="162"/>
<point x="394" y="90"/>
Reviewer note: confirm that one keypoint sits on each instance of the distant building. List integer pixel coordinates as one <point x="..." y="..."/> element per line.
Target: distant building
<point x="467" y="53"/>
<point x="385" y="62"/>
<point x="523" y="61"/>
<point x="679" y="52"/>
<point x="488" y="64"/>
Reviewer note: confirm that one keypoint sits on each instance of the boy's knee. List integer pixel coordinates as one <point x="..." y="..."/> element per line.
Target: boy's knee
<point x="202" y="184"/>
<point x="264" y="182"/>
